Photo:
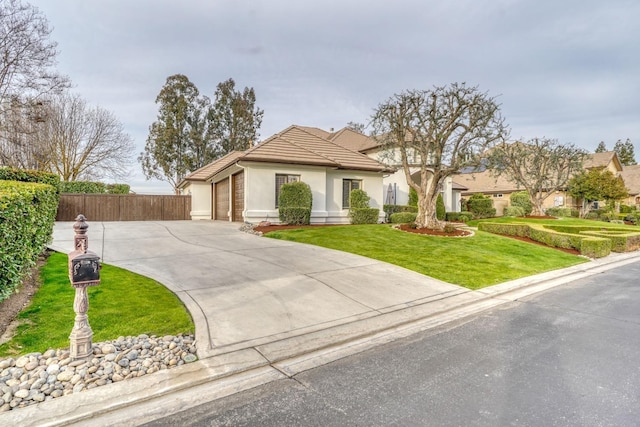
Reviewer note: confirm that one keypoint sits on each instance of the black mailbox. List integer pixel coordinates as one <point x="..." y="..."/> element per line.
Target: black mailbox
<point x="85" y="269"/>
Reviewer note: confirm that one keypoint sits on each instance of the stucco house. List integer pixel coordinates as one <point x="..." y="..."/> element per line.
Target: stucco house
<point x="631" y="177"/>
<point x="244" y="185"/>
<point x="482" y="181"/>
<point x="396" y="189"/>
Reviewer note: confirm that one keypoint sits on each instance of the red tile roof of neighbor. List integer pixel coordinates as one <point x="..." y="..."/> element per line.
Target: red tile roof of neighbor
<point x="295" y="145"/>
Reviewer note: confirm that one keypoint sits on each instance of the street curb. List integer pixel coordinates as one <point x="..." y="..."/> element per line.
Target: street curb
<point x="211" y="378"/>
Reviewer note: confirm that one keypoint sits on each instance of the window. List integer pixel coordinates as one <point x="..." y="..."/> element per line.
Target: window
<point x="499" y="195"/>
<point x="349" y="185"/>
<point x="284" y="179"/>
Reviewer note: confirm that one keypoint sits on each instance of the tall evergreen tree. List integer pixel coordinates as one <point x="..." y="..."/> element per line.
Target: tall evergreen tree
<point x="235" y="118"/>
<point x="625" y="152"/>
<point x="177" y="141"/>
<point x="601" y="147"/>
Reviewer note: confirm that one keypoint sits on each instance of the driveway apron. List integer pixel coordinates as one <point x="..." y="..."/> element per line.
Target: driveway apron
<point x="245" y="290"/>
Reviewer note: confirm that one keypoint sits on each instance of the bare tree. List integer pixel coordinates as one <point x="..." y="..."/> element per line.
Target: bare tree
<point x="28" y="56"/>
<point x="27" y="74"/>
<point x="83" y="142"/>
<point x="436" y="133"/>
<point x="541" y="166"/>
<point x="18" y="147"/>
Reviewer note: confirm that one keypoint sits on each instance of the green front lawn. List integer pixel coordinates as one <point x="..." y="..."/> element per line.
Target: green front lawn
<point x="123" y="304"/>
<point x="473" y="262"/>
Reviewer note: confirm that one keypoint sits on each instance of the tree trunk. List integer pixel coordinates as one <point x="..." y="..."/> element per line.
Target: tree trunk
<point x="537" y="206"/>
<point x="427" y="217"/>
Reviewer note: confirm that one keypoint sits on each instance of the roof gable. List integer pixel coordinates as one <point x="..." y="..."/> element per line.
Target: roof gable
<point x="602" y="160"/>
<point x="353" y="140"/>
<point x="631" y="177"/>
<point x="206" y="172"/>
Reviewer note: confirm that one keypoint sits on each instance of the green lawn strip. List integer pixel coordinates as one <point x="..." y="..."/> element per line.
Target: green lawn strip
<point x="473" y="262"/>
<point x="123" y="304"/>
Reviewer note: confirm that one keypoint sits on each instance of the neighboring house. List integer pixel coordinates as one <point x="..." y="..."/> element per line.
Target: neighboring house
<point x="396" y="186"/>
<point x="482" y="181"/>
<point x="244" y="185"/>
<point x="631" y="177"/>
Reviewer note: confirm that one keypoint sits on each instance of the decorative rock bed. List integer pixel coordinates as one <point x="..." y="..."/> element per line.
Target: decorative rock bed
<point x="37" y="377"/>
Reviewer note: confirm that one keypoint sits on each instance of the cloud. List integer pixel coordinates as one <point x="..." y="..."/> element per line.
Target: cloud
<point x="565" y="70"/>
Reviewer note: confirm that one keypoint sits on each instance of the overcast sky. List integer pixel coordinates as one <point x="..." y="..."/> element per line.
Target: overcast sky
<point x="565" y="69"/>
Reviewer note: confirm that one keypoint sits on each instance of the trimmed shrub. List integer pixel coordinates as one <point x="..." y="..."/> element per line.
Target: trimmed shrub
<point x="358" y="199"/>
<point x="359" y="210"/>
<point x="625" y="209"/>
<point x="459" y="216"/>
<point x="413" y="197"/>
<point x="481" y="206"/>
<point x="521" y="199"/>
<point x="441" y="211"/>
<point x="562" y="212"/>
<point x="364" y="215"/>
<point x="295" y="215"/>
<point x="403" y="217"/>
<point x="27" y="214"/>
<point x="595" y="247"/>
<point x="294" y="203"/>
<point x="513" y="211"/>
<point x="391" y="209"/>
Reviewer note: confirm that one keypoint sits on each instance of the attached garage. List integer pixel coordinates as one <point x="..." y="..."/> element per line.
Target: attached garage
<point x="238" y="196"/>
<point x="221" y="192"/>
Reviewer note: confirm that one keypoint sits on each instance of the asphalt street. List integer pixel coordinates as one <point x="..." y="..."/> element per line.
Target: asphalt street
<point x="569" y="357"/>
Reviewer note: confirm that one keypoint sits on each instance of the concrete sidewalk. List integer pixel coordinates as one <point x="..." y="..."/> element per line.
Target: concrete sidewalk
<point x="265" y="309"/>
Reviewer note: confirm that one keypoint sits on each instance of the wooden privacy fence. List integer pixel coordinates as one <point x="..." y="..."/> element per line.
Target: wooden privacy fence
<point x="123" y="207"/>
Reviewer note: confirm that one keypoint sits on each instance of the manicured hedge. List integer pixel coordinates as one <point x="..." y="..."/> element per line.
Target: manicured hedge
<point x="481" y="206"/>
<point x="459" y="216"/>
<point x="591" y="246"/>
<point x="621" y="241"/>
<point x="403" y="217"/>
<point x="27" y="214"/>
<point x="391" y="209"/>
<point x="89" y="187"/>
<point x="513" y="211"/>
<point x="562" y="212"/>
<point x="23" y="175"/>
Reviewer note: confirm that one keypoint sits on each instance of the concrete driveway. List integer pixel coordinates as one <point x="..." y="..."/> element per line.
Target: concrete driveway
<point x="243" y="290"/>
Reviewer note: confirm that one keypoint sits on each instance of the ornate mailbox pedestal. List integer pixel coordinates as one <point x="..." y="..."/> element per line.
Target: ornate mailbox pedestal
<point x="84" y="271"/>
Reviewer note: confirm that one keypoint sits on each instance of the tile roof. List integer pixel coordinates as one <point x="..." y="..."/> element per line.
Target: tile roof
<point x="602" y="160"/>
<point x="631" y="177"/>
<point x="485" y="182"/>
<point x="206" y="172"/>
<point x="295" y="145"/>
<point x="353" y="140"/>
